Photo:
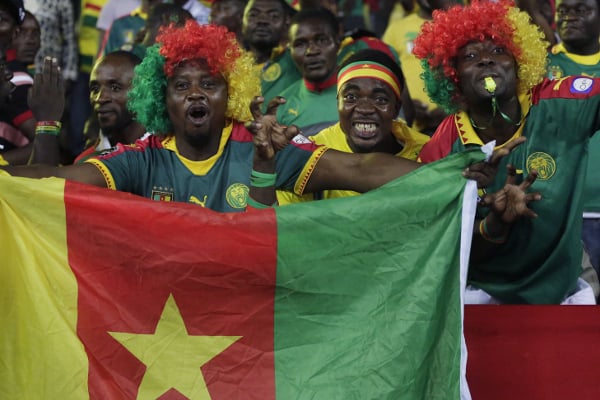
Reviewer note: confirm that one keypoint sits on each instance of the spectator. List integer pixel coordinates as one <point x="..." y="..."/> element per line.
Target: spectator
<point x="57" y="23"/>
<point x="110" y="82"/>
<point x="314" y="43"/>
<point x="230" y="14"/>
<point x="485" y="65"/>
<point x="124" y="30"/>
<point x="27" y="42"/>
<point x="369" y="85"/>
<point x="111" y="11"/>
<point x="264" y="28"/>
<point x="578" y="53"/>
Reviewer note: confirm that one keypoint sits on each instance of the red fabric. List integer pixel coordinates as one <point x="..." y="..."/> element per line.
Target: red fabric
<point x="533" y="352"/>
<point x="237" y="297"/>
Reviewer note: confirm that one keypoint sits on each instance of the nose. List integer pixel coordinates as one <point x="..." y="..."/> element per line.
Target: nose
<point x="195" y="94"/>
<point x="364" y="106"/>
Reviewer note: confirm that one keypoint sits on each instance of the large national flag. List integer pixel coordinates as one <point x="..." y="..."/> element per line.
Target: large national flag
<point x="105" y="295"/>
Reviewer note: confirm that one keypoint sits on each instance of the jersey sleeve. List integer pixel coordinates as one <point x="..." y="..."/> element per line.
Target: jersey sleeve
<point x="441" y="142"/>
<point x="120" y="166"/>
<point x="296" y="162"/>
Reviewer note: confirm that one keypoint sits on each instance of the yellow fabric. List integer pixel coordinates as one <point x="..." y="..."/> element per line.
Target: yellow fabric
<point x="467" y="132"/>
<point x="334" y="138"/>
<point x="88" y="36"/>
<point x="400" y="34"/>
<point x="3" y="161"/>
<point x="28" y="303"/>
<point x="592" y="59"/>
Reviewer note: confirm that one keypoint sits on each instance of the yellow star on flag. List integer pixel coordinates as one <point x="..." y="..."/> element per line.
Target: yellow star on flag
<point x="173" y="357"/>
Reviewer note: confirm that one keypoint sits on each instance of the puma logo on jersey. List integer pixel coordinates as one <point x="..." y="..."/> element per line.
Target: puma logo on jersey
<point x="293" y="111"/>
<point x="195" y="200"/>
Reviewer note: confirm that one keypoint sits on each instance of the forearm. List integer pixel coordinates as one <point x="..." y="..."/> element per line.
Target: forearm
<point x="357" y="172"/>
<point x="46" y="150"/>
<point x="262" y="186"/>
<point x="489" y="234"/>
<point x="18" y="156"/>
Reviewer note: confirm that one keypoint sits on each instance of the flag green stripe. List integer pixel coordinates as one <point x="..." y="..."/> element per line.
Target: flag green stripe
<point x="376" y="313"/>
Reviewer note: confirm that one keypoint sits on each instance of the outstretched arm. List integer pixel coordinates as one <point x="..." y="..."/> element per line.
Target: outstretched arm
<point x="84" y="173"/>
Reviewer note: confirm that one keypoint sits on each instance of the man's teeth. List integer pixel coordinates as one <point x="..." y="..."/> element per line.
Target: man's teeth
<point x="365" y="127"/>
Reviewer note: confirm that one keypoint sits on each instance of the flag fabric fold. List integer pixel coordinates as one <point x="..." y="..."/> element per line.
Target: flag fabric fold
<point x="105" y="295"/>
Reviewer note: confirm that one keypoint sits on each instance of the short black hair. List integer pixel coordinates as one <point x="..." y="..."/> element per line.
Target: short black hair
<point x="378" y="57"/>
<point x="127" y="56"/>
<point x="320" y="13"/>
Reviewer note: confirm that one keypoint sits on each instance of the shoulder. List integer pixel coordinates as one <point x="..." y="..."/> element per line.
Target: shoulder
<point x="570" y="87"/>
<point x="440" y="144"/>
<point x="147" y="144"/>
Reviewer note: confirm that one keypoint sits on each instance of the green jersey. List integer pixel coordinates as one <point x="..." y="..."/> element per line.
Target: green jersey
<point x="154" y="168"/>
<point x="562" y="63"/>
<point x="541" y="260"/>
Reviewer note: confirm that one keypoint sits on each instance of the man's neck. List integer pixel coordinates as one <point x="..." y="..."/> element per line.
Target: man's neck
<point x="494" y="126"/>
<point x="583" y="49"/>
<point x="128" y="135"/>
<point x="261" y="54"/>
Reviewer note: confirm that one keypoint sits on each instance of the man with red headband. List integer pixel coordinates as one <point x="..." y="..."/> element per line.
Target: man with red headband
<point x="485" y="64"/>
<point x="369" y="87"/>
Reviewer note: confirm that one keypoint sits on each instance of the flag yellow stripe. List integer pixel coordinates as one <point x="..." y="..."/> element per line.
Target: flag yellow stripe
<point x="38" y="336"/>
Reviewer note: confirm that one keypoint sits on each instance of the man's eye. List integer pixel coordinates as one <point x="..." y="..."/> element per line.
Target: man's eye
<point x="349" y="98"/>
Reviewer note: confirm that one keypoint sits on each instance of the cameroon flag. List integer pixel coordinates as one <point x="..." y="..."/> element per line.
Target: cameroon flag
<point x="106" y="295"/>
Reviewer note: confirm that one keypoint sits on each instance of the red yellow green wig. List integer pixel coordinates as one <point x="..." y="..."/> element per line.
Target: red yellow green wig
<point x="440" y="39"/>
<point x="175" y="45"/>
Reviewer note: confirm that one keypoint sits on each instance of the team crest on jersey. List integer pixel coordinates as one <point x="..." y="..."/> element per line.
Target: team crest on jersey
<point x="301" y="139"/>
<point x="272" y="73"/>
<point x="582" y="85"/>
<point x="162" y="194"/>
<point x="237" y="195"/>
<point x="543" y="163"/>
<point x="555" y="72"/>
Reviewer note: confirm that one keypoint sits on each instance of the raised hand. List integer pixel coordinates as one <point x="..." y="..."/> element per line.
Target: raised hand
<point x="47" y="95"/>
<point x="269" y="135"/>
<point x="512" y="201"/>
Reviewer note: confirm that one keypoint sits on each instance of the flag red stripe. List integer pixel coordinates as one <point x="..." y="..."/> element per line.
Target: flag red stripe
<point x="129" y="254"/>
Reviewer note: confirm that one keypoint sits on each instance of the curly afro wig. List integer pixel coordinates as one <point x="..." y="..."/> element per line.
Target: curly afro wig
<point x="440" y="39"/>
<point x="174" y="45"/>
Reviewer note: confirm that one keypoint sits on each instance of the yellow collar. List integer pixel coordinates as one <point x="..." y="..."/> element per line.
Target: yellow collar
<point x="200" y="167"/>
<point x="592" y="59"/>
<point x="467" y="133"/>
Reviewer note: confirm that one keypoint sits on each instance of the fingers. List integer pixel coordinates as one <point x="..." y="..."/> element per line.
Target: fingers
<point x="255" y="106"/>
<point x="511" y="175"/>
<point x="274" y="104"/>
<point x="531" y="177"/>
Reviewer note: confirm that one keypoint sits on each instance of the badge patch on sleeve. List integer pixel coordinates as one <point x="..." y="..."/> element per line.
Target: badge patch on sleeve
<point x="582" y="85"/>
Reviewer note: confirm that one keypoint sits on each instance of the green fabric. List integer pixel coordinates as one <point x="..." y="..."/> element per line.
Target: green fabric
<point x="560" y="65"/>
<point x="381" y="320"/>
<point x="278" y="74"/>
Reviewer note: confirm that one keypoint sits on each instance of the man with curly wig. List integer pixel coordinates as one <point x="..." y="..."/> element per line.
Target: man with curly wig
<point x="485" y="63"/>
<point x="192" y="90"/>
